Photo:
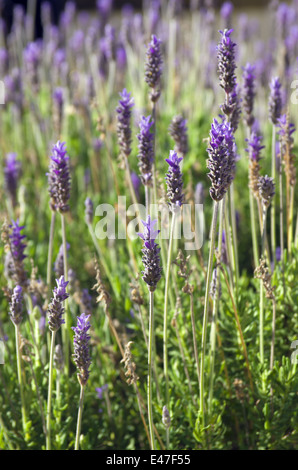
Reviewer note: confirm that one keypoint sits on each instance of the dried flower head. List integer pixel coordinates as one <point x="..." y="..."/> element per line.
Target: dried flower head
<point x="129" y="365"/>
<point x="254" y="152"/>
<point x="266" y="190"/>
<point x="166" y="418"/>
<point x="275" y="100"/>
<point x="262" y="272"/>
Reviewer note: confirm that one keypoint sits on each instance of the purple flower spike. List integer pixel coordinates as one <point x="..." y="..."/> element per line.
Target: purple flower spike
<point x="12" y="171"/>
<point x="16" y="306"/>
<point x="59" y="178"/>
<point x="255" y="147"/>
<point x="123" y="125"/>
<point x="275" y="100"/>
<point x="153" y="67"/>
<point x="88" y="211"/>
<point x="151" y="258"/>
<point x="222" y="156"/>
<point x="248" y="93"/>
<point x="266" y="189"/>
<point x="174" y="181"/>
<point x="81" y="353"/>
<point x="56" y="309"/>
<point x="146" y="150"/>
<point x="17" y="248"/>
<point x="178" y="131"/>
<point x="226" y="61"/>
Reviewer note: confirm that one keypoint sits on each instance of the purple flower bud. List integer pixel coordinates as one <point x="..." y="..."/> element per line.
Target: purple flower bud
<point x="266" y="190"/>
<point x="59" y="178"/>
<point x="146" y="150"/>
<point x="56" y="309"/>
<point x="248" y="93"/>
<point x="221" y="162"/>
<point x="136" y="182"/>
<point x="88" y="211"/>
<point x="178" y="131"/>
<point x="151" y="258"/>
<point x="153" y="67"/>
<point x="81" y="355"/>
<point x="226" y="61"/>
<point x="100" y="390"/>
<point x="17" y="248"/>
<point x="226" y="12"/>
<point x="254" y="147"/>
<point x="166" y="419"/>
<point x="174" y="181"/>
<point x="16" y="306"/>
<point x="123" y="125"/>
<point x="275" y="100"/>
<point x="86" y="301"/>
<point x="12" y="171"/>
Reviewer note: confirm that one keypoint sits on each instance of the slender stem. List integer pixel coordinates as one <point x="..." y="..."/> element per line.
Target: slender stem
<point x="50" y="388"/>
<point x="79" y="420"/>
<point x="206" y="309"/>
<point x="234" y="238"/>
<point x="20" y="379"/>
<point x="65" y="327"/>
<point x="262" y="291"/>
<point x="273" y="202"/>
<point x="50" y="252"/>
<point x="194" y="336"/>
<point x="165" y="322"/>
<point x="273" y="335"/>
<point x="253" y="229"/>
<point x="215" y="308"/>
<point x="290" y="221"/>
<point x="150" y="364"/>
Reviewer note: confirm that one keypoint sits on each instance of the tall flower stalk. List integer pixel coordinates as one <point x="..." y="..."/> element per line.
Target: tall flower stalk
<point x="175" y="200"/>
<point x="151" y="275"/>
<point x="82" y="360"/>
<point x="59" y="190"/>
<point x="16" y="316"/>
<point x="55" y="320"/>
<point x="221" y="164"/>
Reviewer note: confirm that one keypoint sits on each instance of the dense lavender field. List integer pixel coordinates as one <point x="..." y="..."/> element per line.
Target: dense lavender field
<point x="149" y="254"/>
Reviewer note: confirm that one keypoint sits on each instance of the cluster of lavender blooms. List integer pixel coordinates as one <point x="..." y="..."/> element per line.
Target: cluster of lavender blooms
<point x="174" y="181"/>
<point x="81" y="355"/>
<point x="16" y="306"/>
<point x="12" y="173"/>
<point x="153" y="68"/>
<point x="59" y="178"/>
<point x="146" y="150"/>
<point x="178" y="131"/>
<point x="123" y="122"/>
<point x="151" y="254"/>
<point x="56" y="308"/>
<point x="222" y="158"/>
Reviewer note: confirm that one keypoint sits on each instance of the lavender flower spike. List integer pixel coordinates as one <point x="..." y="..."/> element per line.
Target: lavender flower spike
<point x="17" y="248"/>
<point x="81" y="353"/>
<point x="275" y="100"/>
<point x="146" y="150"/>
<point x="123" y="125"/>
<point x="221" y="162"/>
<point x="59" y="178"/>
<point x="178" y="131"/>
<point x="12" y="172"/>
<point x="16" y="306"/>
<point x="174" y="181"/>
<point x="56" y="309"/>
<point x="266" y="190"/>
<point x="88" y="211"/>
<point x="226" y="61"/>
<point x="151" y="258"/>
<point x="248" y="93"/>
<point x="153" y="67"/>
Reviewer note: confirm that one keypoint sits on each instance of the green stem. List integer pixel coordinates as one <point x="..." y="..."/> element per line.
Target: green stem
<point x="253" y="229"/>
<point x="150" y="364"/>
<point x="20" y="379"/>
<point x="215" y="308"/>
<point x="273" y="202"/>
<point x="66" y="326"/>
<point x="79" y="420"/>
<point x="165" y="322"/>
<point x="206" y="309"/>
<point x="50" y="252"/>
<point x="50" y="388"/>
